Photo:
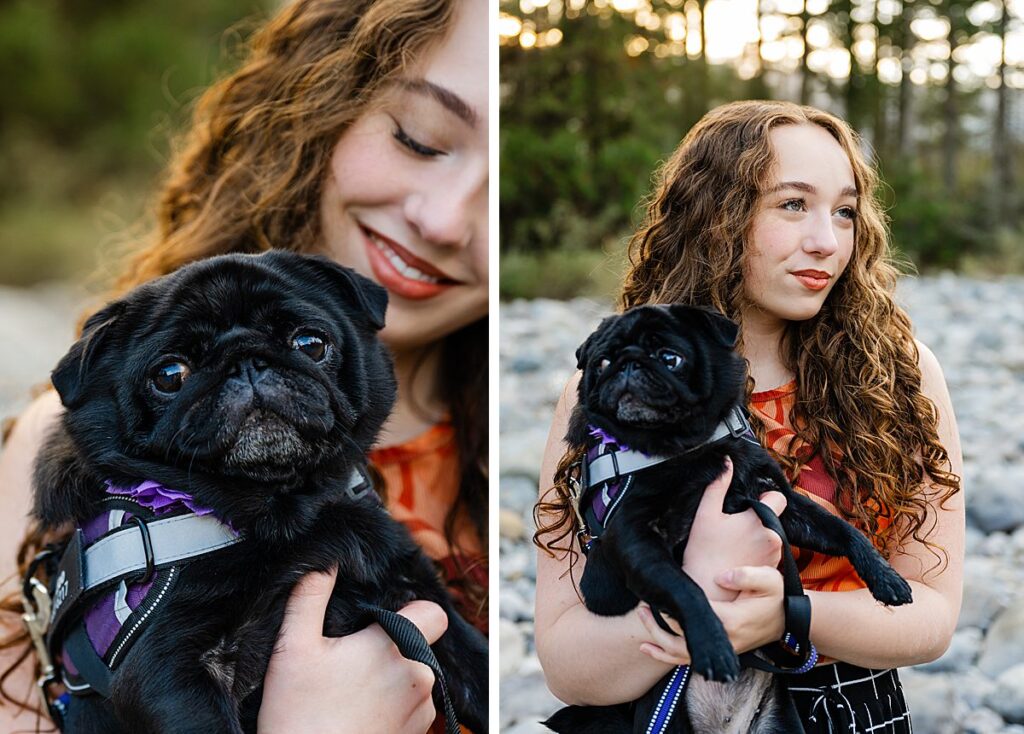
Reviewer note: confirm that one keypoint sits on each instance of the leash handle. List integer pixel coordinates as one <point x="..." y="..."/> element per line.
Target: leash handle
<point x="414" y="646"/>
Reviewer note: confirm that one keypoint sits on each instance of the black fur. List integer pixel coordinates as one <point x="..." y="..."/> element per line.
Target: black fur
<point x="628" y="391"/>
<point x="267" y="436"/>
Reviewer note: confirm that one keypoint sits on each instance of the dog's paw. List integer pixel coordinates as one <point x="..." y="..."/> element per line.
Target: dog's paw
<point x="890" y="588"/>
<point x="715" y="662"/>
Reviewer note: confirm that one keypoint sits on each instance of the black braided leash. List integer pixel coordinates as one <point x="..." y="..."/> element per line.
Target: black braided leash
<point x="413" y="645"/>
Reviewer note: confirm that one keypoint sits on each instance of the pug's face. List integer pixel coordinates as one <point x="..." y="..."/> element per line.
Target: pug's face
<point x="264" y="368"/>
<point x="660" y="370"/>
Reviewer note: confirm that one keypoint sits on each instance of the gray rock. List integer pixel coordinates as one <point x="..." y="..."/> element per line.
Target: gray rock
<point x="930" y="700"/>
<point x="526" y="698"/>
<point x="513" y="606"/>
<point x="982" y="721"/>
<point x="995" y="502"/>
<point x="962" y="652"/>
<point x="1004" y="645"/>
<point x="521" y="453"/>
<point x="513" y="647"/>
<point x="1008" y="697"/>
<point x="985" y="593"/>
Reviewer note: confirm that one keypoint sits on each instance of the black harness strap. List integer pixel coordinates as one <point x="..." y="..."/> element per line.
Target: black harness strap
<point x="414" y="646"/>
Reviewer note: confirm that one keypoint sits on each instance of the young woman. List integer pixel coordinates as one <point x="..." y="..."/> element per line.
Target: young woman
<point x="766" y="212"/>
<point x="356" y="130"/>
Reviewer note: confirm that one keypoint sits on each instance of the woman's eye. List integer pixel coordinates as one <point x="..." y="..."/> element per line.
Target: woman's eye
<point x="313" y="346"/>
<point x="671" y="360"/>
<point x="794" y="205"/>
<point x="847" y="212"/>
<point x="414" y="145"/>
<point x="169" y="377"/>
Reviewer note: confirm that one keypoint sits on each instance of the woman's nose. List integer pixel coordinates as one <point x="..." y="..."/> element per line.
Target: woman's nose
<point x="821" y="238"/>
<point x="449" y="213"/>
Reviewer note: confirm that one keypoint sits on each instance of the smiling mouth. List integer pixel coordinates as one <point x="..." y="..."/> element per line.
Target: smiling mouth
<point x="401" y="272"/>
<point x="814" y="280"/>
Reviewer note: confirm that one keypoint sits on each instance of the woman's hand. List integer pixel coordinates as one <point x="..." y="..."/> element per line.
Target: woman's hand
<point x="719" y="542"/>
<point x="338" y="685"/>
<point x="754" y="618"/>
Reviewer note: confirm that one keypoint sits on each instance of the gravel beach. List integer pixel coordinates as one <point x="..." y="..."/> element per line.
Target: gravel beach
<point x="976" y="329"/>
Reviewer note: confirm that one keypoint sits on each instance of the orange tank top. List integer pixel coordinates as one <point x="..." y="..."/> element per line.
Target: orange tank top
<point x="818" y="572"/>
<point x="422" y="481"/>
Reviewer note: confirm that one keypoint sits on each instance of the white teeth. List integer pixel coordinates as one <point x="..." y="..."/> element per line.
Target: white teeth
<point x="406" y="270"/>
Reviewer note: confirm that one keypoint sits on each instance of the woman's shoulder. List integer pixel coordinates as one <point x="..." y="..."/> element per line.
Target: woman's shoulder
<point x="933" y="381"/>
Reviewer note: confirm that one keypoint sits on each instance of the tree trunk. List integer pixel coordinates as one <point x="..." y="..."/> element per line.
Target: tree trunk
<point x="1002" y="153"/>
<point x="805" y="71"/>
<point x="951" y="123"/>
<point x="904" y="141"/>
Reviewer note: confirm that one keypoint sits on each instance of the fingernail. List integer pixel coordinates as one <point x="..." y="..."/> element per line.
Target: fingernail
<point x="724" y="578"/>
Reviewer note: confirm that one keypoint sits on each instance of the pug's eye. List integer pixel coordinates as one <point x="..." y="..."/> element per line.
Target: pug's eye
<point x="603" y="365"/>
<point x="169" y="376"/>
<point x="671" y="360"/>
<point x="311" y="344"/>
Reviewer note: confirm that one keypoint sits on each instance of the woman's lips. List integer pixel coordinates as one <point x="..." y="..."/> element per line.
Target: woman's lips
<point x="814" y="280"/>
<point x="401" y="272"/>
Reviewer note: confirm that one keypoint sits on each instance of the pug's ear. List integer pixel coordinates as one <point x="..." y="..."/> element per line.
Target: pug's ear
<point x="583" y="352"/>
<point x="357" y="290"/>
<point x="722" y="329"/>
<point x="72" y="373"/>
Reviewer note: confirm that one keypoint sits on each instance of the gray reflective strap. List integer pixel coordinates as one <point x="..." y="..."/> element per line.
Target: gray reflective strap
<point x="173" y="539"/>
<point x="620" y="463"/>
<point x="604" y="467"/>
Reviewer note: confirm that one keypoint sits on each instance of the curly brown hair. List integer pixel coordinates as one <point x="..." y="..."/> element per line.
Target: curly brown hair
<point x="248" y="176"/>
<point x="856" y="362"/>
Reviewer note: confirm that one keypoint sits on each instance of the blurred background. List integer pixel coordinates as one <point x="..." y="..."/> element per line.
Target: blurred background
<point x="92" y="95"/>
<point x="594" y="93"/>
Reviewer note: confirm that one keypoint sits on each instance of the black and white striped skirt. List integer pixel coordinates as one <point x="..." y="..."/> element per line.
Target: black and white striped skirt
<point x="846" y="699"/>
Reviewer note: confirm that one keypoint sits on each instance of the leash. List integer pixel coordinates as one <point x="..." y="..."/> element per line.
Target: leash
<point x="414" y="646"/>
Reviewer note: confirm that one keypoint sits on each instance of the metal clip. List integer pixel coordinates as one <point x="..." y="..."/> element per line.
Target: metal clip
<point x="37" y="620"/>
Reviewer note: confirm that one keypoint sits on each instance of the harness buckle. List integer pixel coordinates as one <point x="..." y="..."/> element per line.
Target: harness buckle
<point x="147" y="548"/>
<point x="737" y="423"/>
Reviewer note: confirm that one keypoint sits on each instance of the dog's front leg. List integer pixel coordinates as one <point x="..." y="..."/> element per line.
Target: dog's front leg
<point x="808" y="525"/>
<point x="165" y="685"/>
<point x="650" y="572"/>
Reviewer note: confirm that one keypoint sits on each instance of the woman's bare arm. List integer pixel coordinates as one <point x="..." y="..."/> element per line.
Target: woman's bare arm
<point x="16" y="459"/>
<point x="918" y="632"/>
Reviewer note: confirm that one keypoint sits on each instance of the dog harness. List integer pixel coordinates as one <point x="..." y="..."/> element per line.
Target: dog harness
<point x="119" y="568"/>
<point x="606" y="473"/>
<point x="606" y="477"/>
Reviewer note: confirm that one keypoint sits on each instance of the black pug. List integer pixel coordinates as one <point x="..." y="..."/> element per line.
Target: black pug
<point x="661" y="379"/>
<point x="255" y="384"/>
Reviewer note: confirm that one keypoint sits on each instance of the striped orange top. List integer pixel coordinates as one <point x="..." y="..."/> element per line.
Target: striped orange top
<point x="422" y="480"/>
<point x="817" y="571"/>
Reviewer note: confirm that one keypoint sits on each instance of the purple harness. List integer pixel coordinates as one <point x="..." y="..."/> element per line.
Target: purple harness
<point x="116" y="618"/>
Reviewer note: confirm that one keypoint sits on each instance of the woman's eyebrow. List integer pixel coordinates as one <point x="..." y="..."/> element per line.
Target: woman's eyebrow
<point x="449" y="99"/>
<point x="801" y="186"/>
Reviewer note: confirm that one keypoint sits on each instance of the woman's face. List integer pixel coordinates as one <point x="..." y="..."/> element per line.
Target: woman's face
<point x="405" y="200"/>
<point x="802" y="235"/>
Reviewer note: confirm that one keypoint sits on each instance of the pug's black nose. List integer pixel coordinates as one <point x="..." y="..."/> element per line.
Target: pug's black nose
<point x="251" y="370"/>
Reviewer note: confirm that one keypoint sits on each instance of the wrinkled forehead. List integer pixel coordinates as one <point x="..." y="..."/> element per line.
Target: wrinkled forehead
<point x="649" y="326"/>
<point x="200" y="304"/>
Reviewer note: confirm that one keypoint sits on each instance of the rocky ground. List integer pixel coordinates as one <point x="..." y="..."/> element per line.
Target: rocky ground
<point x="976" y="329"/>
<point x="36" y="328"/>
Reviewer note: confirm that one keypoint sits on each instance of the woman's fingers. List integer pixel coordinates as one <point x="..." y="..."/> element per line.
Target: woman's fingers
<point x="307" y="606"/>
<point x="714" y="495"/>
<point x="754" y="580"/>
<point x="428" y="617"/>
<point x="775" y="500"/>
<point x="661" y="645"/>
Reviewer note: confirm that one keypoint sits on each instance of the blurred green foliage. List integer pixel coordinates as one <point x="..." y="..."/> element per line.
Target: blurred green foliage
<point x="92" y="94"/>
<point x="584" y="125"/>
